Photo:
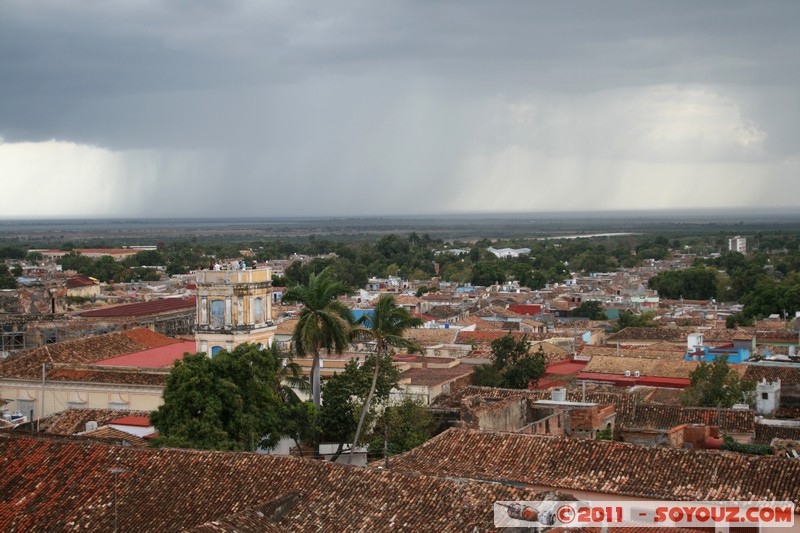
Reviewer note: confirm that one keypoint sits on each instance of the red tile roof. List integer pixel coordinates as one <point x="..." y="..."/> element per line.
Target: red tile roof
<point x="53" y="485"/>
<point x="765" y="433"/>
<point x="604" y="467"/>
<point x="143" y="309"/>
<point x="138" y="421"/>
<point x="80" y="281"/>
<point x="160" y="357"/>
<point x="630" y="411"/>
<point x="429" y="377"/>
<point x="73" y="421"/>
<point x="78" y="351"/>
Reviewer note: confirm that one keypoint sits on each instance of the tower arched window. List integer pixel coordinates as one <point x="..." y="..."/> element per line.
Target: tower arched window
<point x="217" y="314"/>
<point x="258" y="311"/>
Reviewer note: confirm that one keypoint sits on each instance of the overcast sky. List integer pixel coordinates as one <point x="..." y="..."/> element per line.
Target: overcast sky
<point x="201" y="108"/>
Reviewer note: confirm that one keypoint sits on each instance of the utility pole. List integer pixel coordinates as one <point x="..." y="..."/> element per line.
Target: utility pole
<point x="386" y="444"/>
<point x="116" y="472"/>
<point x="41" y="407"/>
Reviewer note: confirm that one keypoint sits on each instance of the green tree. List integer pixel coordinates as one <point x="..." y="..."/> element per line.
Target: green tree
<point x="487" y="273"/>
<point x="717" y="385"/>
<point x="346" y="392"/>
<point x="7" y="280"/>
<point x="526" y="371"/>
<point x="12" y="251"/>
<point x="593" y="310"/>
<point x="514" y="366"/>
<point x="402" y="427"/>
<point x="385" y="328"/>
<point x="324" y="321"/>
<point x="628" y="320"/>
<point x="229" y="402"/>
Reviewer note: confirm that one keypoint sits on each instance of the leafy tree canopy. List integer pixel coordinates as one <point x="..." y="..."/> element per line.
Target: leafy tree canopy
<point x="403" y="426"/>
<point x="593" y="310"/>
<point x="717" y="384"/>
<point x="7" y="280"/>
<point x="514" y="366"/>
<point x="345" y="393"/>
<point x="229" y="402"/>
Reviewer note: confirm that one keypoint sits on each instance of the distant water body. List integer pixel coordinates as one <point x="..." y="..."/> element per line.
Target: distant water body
<point x="586" y="236"/>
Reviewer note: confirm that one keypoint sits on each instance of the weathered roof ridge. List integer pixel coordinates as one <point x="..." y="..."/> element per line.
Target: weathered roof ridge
<point x="606" y="467"/>
<point x="51" y="484"/>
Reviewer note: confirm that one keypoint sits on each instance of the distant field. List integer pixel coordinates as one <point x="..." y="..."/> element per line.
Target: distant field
<point x="465" y="228"/>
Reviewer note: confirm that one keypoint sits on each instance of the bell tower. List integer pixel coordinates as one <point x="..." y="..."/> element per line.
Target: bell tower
<point x="233" y="307"/>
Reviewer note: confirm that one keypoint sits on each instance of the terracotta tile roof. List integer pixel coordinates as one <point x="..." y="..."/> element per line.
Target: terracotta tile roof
<point x="161" y="357"/>
<point x="493" y="310"/>
<point x="649" y="334"/>
<point x="73" y="421"/>
<point x="486" y="337"/>
<point x="604" y="467"/>
<point x="406" y="299"/>
<point x="630" y="411"/>
<point x="85" y="350"/>
<point x="652" y="416"/>
<point x="548" y="348"/>
<point x="149" y="338"/>
<point x="53" y="484"/>
<point x="429" y="377"/>
<point x="647" y="367"/>
<point x="116" y="436"/>
<point x="127" y="376"/>
<point x="789" y="375"/>
<point x="646" y="353"/>
<point x="431" y="336"/>
<point x="155" y="307"/>
<point x="480" y="324"/>
<point x="766" y="432"/>
<point x="80" y="280"/>
<point x="766" y="337"/>
<point x="258" y="519"/>
<point x="286" y="327"/>
<point x="132" y="420"/>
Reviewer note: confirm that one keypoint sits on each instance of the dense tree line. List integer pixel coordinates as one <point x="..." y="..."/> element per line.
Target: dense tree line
<point x="765" y="280"/>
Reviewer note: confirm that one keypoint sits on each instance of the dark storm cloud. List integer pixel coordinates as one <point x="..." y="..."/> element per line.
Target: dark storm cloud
<point x="360" y="105"/>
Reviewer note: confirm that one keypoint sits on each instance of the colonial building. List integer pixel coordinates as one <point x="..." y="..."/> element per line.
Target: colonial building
<point x="233" y="307"/>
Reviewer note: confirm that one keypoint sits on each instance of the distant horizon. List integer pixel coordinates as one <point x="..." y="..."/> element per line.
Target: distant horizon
<point x="709" y="213"/>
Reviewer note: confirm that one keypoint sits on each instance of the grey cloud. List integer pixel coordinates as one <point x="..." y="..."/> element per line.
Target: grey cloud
<point x="368" y="103"/>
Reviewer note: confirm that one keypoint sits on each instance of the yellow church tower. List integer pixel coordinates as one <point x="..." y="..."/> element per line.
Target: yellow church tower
<point x="233" y="307"/>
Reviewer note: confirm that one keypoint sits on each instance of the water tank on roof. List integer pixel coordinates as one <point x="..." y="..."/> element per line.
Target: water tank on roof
<point x="559" y="394"/>
<point x="91" y="425"/>
<point x="636" y="373"/>
<point x="627" y="373"/>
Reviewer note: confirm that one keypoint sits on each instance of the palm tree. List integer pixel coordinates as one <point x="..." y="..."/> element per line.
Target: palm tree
<point x="324" y="321"/>
<point x="386" y="327"/>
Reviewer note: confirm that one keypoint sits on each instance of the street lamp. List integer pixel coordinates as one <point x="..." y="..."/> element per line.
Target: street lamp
<point x="116" y="472"/>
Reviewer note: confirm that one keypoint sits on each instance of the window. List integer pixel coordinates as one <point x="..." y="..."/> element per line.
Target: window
<point x="765" y="396"/>
<point x="26" y="406"/>
<point x="217" y="314"/>
<point x="118" y="406"/>
<point x="215" y="349"/>
<point x="258" y="311"/>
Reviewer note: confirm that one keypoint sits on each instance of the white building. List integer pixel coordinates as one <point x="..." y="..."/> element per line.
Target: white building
<point x="509" y="252"/>
<point x="737" y="244"/>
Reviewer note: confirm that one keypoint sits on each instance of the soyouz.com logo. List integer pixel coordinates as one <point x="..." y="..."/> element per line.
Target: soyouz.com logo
<point x="642" y="514"/>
